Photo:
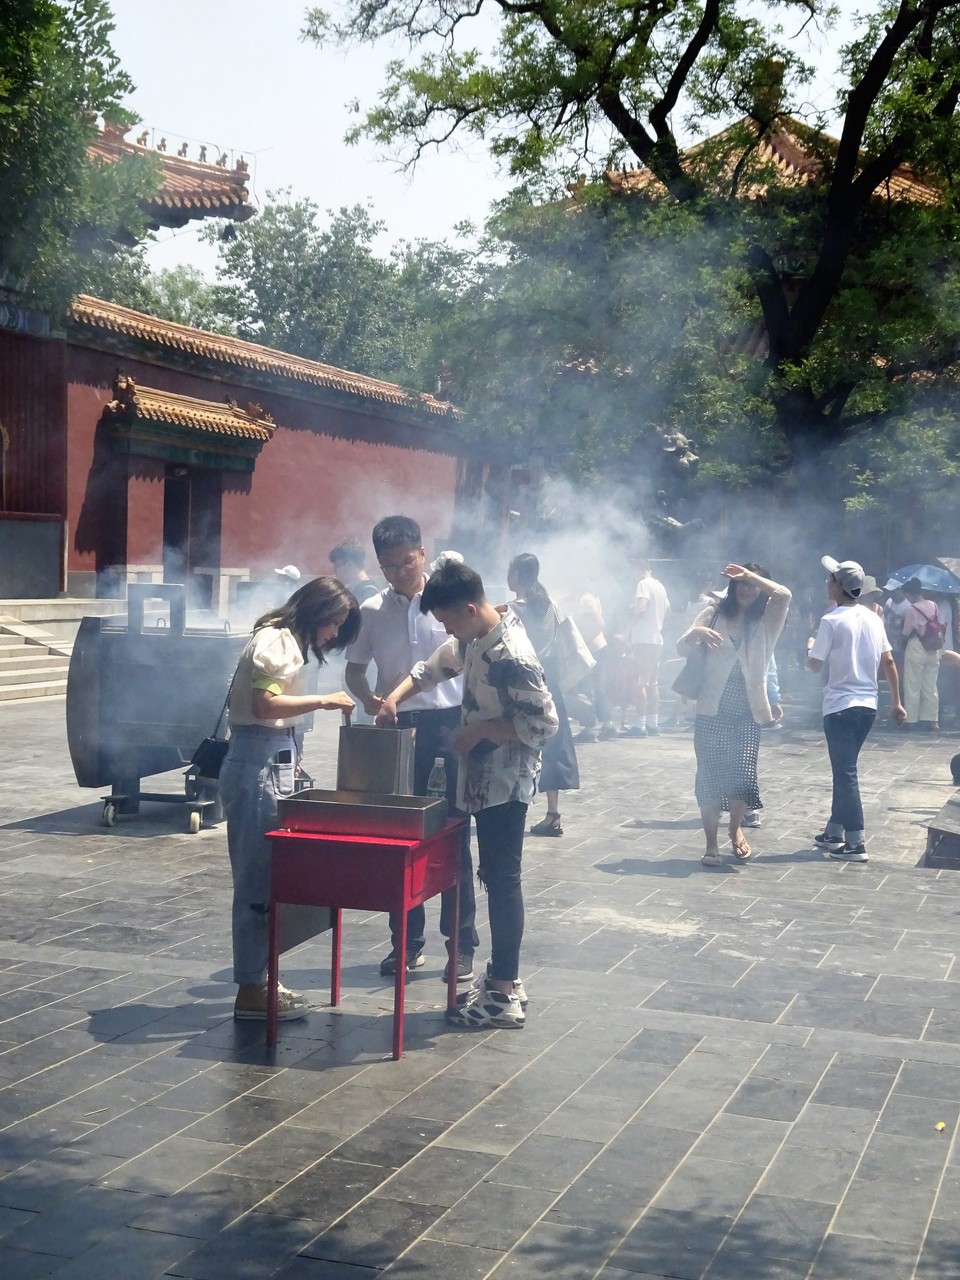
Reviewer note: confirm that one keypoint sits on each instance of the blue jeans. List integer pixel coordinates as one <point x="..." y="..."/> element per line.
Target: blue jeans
<point x="250" y="784"/>
<point x="846" y="732"/>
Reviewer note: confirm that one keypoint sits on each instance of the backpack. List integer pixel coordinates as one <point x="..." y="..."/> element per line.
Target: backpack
<point x="934" y="633"/>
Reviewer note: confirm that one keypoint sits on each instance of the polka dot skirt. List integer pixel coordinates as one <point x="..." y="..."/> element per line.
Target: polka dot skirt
<point x="726" y="746"/>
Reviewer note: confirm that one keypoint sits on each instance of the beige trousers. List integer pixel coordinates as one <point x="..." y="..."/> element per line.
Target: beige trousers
<point x="920" y="670"/>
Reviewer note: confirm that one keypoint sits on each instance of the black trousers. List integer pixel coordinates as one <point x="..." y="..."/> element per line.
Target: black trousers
<point x="435" y="730"/>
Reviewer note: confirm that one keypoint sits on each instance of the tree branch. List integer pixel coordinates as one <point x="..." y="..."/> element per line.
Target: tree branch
<point x="863" y="97"/>
<point x="833" y="402"/>
<point x="661" y="109"/>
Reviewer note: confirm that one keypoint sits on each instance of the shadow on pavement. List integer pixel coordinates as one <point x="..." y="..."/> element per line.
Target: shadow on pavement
<point x="681" y="868"/>
<point x="86" y="819"/>
<point x="663" y="824"/>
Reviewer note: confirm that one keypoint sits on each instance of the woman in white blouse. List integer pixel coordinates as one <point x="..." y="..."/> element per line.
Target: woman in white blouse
<point x="268" y="700"/>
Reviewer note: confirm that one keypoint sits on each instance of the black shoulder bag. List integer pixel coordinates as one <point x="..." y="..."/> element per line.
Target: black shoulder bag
<point x="210" y="754"/>
<point x="689" y="683"/>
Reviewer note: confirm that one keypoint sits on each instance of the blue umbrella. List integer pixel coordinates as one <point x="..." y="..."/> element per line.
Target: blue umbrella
<point x="932" y="577"/>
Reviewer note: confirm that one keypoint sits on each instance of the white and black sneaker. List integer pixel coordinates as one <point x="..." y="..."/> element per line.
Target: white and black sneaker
<point x="850" y="853"/>
<point x="828" y="842"/>
<point x="485" y="1008"/>
<point x="518" y="989"/>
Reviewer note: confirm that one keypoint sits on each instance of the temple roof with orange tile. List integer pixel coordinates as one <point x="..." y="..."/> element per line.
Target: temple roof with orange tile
<point x="786" y="149"/>
<point x="93" y="314"/>
<point x="189" y="189"/>
<point x="151" y="404"/>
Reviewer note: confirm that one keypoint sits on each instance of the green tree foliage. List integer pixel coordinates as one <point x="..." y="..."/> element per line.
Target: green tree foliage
<point x="583" y="329"/>
<point x="325" y="293"/>
<point x="62" y="216"/>
<point x="181" y="294"/>
<point x="184" y="295"/>
<point x="852" y="288"/>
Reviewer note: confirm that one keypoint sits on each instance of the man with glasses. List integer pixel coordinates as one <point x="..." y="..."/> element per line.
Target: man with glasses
<point x="397" y="636"/>
<point x="854" y="645"/>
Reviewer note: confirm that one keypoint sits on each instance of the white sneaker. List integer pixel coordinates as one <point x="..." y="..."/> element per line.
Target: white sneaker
<point x="485" y="1008"/>
<point x="518" y="989"/>
<point x="751" y="818"/>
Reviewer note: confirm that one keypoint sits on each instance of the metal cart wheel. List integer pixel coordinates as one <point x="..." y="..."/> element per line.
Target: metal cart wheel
<point x="109" y="816"/>
<point x="194" y="823"/>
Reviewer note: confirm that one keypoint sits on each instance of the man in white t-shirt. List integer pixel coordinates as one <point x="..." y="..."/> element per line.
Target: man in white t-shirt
<point x="650" y="608"/>
<point x="853" y="644"/>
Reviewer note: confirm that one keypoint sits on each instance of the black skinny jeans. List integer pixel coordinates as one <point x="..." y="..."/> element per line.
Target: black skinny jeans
<point x="435" y="730"/>
<point x="500" y="850"/>
<point x="846" y="732"/>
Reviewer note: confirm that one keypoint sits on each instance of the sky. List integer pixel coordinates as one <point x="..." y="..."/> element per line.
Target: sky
<point x="235" y="75"/>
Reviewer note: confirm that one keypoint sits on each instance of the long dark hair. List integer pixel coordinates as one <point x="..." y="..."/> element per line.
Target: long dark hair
<point x="728" y="606"/>
<point x="525" y="568"/>
<point x="314" y="605"/>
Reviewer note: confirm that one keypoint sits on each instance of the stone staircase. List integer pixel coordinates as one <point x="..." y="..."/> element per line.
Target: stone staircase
<point x="36" y="639"/>
<point x="58" y="619"/>
<point x="29" y="668"/>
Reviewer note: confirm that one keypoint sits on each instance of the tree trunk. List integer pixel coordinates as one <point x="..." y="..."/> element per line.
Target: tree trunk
<point x="808" y="431"/>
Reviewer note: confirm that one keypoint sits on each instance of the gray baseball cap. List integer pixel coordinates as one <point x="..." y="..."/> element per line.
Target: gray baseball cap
<point x="848" y="573"/>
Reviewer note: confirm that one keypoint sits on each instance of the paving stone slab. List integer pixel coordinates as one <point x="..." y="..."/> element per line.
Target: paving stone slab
<point x="722" y="1075"/>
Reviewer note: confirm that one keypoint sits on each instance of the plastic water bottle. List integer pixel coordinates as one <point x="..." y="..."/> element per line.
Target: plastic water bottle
<point x="437" y="782"/>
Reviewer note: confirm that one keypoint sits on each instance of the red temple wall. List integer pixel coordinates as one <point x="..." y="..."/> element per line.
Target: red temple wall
<point x="311" y="490"/>
<point x="33" y="414"/>
<point x="327" y="473"/>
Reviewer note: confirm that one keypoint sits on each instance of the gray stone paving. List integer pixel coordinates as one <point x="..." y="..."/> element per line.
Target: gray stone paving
<point x="731" y="1073"/>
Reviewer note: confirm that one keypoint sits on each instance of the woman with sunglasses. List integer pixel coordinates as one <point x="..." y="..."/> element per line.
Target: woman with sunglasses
<point x="738" y="634"/>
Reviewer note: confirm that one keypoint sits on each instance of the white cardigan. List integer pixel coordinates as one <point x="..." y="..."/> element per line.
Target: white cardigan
<point x="753" y="655"/>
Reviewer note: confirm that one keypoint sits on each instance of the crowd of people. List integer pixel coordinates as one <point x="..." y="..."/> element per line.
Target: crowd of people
<point x="485" y="684"/>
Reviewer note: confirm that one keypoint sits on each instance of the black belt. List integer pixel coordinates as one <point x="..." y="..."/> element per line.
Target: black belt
<point x="405" y="719"/>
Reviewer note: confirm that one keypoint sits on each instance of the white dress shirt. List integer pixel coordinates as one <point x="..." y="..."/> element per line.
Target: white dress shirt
<point x="396" y="636"/>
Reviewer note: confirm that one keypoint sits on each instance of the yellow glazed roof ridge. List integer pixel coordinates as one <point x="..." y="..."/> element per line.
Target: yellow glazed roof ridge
<point x="97" y="313"/>
<point x="184" y="183"/>
<point x="785" y="148"/>
<point x="154" y="404"/>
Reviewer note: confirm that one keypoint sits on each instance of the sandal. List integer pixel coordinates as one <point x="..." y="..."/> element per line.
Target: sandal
<point x="712" y="860"/>
<point x="741" y="848"/>
<point x="548" y="826"/>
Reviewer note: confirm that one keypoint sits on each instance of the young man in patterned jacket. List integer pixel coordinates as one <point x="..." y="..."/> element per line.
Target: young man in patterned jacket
<point x="507" y="716"/>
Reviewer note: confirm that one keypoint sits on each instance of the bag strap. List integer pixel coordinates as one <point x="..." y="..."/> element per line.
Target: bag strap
<point x="223" y="709"/>
<point x="928" y="618"/>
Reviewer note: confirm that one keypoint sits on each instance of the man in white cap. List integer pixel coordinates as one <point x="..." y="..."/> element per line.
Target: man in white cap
<point x="854" y="645"/>
<point x="290" y="572"/>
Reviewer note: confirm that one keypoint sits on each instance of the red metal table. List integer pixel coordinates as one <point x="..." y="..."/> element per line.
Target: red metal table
<point x="367" y="873"/>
